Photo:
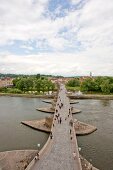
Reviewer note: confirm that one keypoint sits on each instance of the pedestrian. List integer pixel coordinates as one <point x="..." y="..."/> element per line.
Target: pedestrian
<point x="51" y="135"/>
<point x="70" y="131"/>
<point x="37" y="156"/>
<point x="71" y="122"/>
<point x="74" y="155"/>
<point x="71" y="137"/>
<point x="60" y="120"/>
<point x="71" y="108"/>
<point x="56" y="116"/>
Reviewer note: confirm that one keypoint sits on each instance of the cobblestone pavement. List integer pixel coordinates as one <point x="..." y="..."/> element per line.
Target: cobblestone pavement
<point x="60" y="155"/>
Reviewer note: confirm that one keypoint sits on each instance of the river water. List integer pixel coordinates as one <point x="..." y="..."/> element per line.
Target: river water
<point x="96" y="147"/>
<point x="14" y="135"/>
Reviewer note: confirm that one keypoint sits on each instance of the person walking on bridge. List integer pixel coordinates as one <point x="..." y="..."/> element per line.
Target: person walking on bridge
<point x="60" y="120"/>
<point x="37" y="156"/>
<point x="51" y="135"/>
<point x="74" y="155"/>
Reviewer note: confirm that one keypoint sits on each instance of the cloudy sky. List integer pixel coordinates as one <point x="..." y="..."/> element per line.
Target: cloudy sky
<point x="60" y="37"/>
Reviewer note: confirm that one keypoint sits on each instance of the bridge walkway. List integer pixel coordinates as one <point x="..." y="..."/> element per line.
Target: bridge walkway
<point x="60" y="155"/>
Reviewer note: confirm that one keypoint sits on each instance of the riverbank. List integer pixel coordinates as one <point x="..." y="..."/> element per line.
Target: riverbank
<point x="91" y="96"/>
<point x="27" y="95"/>
<point x="84" y="96"/>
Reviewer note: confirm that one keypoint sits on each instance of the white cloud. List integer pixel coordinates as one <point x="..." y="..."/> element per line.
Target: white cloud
<point x="75" y="2"/>
<point x="27" y="47"/>
<point x="88" y="31"/>
<point x="59" y="63"/>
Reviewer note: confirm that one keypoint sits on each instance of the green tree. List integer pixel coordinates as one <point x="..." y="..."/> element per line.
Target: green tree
<point x="52" y="87"/>
<point x="73" y="83"/>
<point x="15" y="81"/>
<point x="38" y="76"/>
<point x="106" y="87"/>
<point x="111" y="87"/>
<point x="28" y="82"/>
<point x="38" y="85"/>
<point x="48" y="85"/>
<point x="88" y="85"/>
<point x="21" y="84"/>
<point x="25" y="84"/>
<point x="43" y="85"/>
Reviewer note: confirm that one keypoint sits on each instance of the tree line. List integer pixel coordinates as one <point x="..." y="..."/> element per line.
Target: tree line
<point x="35" y="85"/>
<point x="95" y="84"/>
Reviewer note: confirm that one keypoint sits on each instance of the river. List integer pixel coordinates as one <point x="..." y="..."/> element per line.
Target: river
<point x="14" y="135"/>
<point x="96" y="147"/>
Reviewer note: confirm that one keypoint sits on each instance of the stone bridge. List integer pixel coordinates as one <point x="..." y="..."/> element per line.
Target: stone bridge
<point x="60" y="152"/>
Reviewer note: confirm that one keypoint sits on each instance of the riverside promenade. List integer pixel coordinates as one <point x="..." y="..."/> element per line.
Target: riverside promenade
<point x="59" y="155"/>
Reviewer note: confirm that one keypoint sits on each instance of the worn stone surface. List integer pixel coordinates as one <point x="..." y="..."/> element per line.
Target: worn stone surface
<point x="38" y="125"/>
<point x="60" y="155"/>
<point x="75" y="111"/>
<point x="83" y="128"/>
<point x="16" y="160"/>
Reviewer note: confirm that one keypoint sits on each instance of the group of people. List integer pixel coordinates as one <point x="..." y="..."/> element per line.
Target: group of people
<point x="37" y="156"/>
<point x="57" y="115"/>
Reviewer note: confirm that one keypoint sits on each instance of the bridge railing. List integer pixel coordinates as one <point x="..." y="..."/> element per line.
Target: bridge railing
<point x="77" y="151"/>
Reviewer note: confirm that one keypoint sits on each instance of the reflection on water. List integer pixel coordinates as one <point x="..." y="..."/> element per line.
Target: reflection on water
<point x="98" y="146"/>
<point x="13" y="135"/>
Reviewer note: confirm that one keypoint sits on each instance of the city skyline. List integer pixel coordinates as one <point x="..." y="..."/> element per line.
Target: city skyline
<point x="68" y="38"/>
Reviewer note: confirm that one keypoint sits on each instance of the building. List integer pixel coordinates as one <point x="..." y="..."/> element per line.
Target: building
<point x="6" y="82"/>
